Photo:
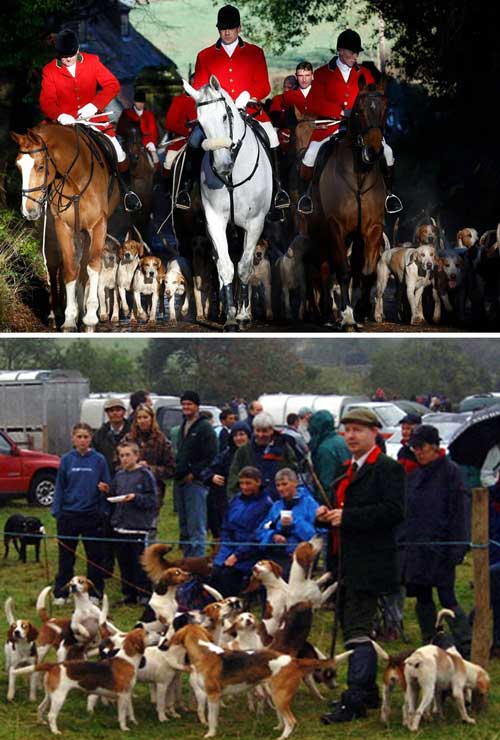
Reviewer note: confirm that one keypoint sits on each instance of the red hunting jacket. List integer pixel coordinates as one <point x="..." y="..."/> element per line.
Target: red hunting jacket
<point x="182" y="110"/>
<point x="246" y="69"/>
<point x="147" y="123"/>
<point x="63" y="93"/>
<point x="330" y="94"/>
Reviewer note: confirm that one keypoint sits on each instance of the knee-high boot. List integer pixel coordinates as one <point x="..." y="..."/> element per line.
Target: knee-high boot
<point x="426" y="615"/>
<point x="281" y="199"/>
<point x="305" y="204"/>
<point x="461" y="630"/>
<point x="362" y="691"/>
<point x="131" y="201"/>
<point x="392" y="202"/>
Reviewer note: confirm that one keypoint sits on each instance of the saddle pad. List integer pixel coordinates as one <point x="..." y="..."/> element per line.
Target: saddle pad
<point x="213" y="182"/>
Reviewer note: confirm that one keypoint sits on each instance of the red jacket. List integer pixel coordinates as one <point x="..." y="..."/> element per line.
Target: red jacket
<point x="246" y="69"/>
<point x="63" y="93"/>
<point x="330" y="94"/>
<point x="147" y="123"/>
<point x="182" y="109"/>
<point x="296" y="98"/>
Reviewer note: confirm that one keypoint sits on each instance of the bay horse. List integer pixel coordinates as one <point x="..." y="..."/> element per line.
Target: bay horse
<point x="62" y="167"/>
<point x="236" y="186"/>
<point x="349" y="196"/>
<point x="142" y="170"/>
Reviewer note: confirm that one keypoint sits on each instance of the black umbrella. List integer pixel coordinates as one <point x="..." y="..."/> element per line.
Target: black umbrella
<point x="471" y="443"/>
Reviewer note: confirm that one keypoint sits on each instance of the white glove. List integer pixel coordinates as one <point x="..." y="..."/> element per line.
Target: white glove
<point x="66" y="119"/>
<point x="87" y="111"/>
<point x="242" y="100"/>
<point x="150" y="145"/>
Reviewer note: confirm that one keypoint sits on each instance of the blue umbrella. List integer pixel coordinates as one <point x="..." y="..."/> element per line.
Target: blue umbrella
<point x="471" y="443"/>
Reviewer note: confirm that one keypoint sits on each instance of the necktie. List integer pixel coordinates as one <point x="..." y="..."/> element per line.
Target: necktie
<point x="354" y="470"/>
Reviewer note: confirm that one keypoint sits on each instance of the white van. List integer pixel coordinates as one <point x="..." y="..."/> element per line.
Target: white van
<point x="279" y="405"/>
<point x="92" y="408"/>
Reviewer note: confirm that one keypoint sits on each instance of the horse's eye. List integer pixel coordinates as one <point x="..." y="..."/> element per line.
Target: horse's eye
<point x="224" y="118"/>
<point x="40" y="168"/>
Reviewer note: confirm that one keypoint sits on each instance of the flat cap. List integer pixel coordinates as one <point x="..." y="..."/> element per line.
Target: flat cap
<point x="111" y="403"/>
<point x="361" y="415"/>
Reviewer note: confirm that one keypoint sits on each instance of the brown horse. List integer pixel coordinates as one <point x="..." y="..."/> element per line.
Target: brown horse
<point x="63" y="168"/>
<point x="142" y="170"/>
<point x="349" y="197"/>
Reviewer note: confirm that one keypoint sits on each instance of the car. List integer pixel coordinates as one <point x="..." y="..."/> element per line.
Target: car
<point x="171" y="416"/>
<point x="479" y="401"/>
<point x="27" y="473"/>
<point x="387" y="413"/>
<point x="446" y="423"/>
<point x="411" y="407"/>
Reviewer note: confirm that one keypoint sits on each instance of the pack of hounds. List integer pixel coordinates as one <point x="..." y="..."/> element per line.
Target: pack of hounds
<point x="461" y="282"/>
<point x="222" y="649"/>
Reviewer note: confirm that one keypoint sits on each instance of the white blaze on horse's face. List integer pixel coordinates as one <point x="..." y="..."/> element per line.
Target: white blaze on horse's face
<point x="29" y="208"/>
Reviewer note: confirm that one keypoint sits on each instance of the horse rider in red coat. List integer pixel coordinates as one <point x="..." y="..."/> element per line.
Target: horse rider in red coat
<point x="240" y="66"/>
<point x="296" y="98"/>
<point x="138" y="113"/>
<point x="179" y="121"/>
<point x="333" y="94"/>
<point x="76" y="88"/>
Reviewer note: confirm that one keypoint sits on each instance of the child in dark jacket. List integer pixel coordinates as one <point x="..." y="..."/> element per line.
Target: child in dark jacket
<point x="132" y="519"/>
<point x="237" y="556"/>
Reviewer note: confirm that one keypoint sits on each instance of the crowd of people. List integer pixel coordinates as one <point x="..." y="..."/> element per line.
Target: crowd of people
<point x="260" y="490"/>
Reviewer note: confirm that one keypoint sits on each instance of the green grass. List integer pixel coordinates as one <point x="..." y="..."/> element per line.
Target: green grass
<point x="18" y="720"/>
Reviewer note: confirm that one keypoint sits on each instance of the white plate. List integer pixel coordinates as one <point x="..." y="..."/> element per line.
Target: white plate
<point x="116" y="499"/>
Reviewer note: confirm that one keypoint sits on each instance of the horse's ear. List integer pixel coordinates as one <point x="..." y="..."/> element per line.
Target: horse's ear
<point x="381" y="84"/>
<point x="190" y="90"/>
<point x="34" y="136"/>
<point x="214" y="83"/>
<point x="362" y="82"/>
<point x="18" y="138"/>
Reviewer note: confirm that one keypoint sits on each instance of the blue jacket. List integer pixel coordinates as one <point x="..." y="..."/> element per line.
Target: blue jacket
<point x="304" y="508"/>
<point x="139" y="514"/>
<point x="76" y="484"/>
<point x="244" y="515"/>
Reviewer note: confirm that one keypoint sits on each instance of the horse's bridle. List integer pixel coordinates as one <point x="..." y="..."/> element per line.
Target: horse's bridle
<point x="46" y="185"/>
<point x="363" y="131"/>
<point x="235" y="147"/>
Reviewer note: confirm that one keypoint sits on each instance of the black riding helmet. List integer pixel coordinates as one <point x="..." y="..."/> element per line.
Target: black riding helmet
<point x="228" y="17"/>
<point x="350" y="40"/>
<point x="67" y="43"/>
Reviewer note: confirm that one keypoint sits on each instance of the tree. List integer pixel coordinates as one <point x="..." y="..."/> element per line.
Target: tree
<point x="26" y="354"/>
<point x="106" y="369"/>
<point x="427" y="367"/>
<point x="220" y="369"/>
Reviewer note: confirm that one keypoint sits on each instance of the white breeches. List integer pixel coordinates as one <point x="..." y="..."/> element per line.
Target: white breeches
<point x="271" y="132"/>
<point x="312" y="152"/>
<point x="120" y="154"/>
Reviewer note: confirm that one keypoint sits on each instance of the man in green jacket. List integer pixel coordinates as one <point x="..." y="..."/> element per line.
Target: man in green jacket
<point x="368" y="506"/>
<point x="197" y="447"/>
<point x="329" y="451"/>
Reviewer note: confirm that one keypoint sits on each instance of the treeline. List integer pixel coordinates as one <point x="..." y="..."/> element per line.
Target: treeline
<point x="222" y="368"/>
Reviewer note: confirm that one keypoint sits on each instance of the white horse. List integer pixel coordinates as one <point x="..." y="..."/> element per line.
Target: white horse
<point x="236" y="184"/>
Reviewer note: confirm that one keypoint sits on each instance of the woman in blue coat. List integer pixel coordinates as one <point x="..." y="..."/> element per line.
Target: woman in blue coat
<point x="237" y="555"/>
<point x="290" y="519"/>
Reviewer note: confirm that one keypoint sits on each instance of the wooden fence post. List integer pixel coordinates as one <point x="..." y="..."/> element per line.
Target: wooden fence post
<point x="483" y="623"/>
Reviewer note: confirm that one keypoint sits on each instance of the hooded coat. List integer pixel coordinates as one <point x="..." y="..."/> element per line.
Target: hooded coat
<point x="328" y="449"/>
<point x="435" y="512"/>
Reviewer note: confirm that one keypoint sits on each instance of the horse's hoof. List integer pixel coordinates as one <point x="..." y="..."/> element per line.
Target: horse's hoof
<point x="231" y="326"/>
<point x="89" y="329"/>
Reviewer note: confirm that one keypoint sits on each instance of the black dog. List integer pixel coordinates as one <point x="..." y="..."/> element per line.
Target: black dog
<point x="21" y="531"/>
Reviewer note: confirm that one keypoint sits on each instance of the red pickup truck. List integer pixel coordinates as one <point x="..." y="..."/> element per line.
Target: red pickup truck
<point x="29" y="473"/>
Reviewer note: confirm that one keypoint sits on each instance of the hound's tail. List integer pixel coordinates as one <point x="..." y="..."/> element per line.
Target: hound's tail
<point x="9" y="610"/>
<point x="380" y="651"/>
<point x="37" y="668"/>
<point x="441" y="615"/>
<point x="153" y="561"/>
<point x="40" y="604"/>
<point x="308" y="665"/>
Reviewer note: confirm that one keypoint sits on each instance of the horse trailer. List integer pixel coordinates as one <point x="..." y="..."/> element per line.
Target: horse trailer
<point x="38" y="408"/>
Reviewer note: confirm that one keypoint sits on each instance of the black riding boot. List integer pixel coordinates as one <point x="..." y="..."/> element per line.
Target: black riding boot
<point x="305" y="204"/>
<point x="281" y="199"/>
<point x="461" y="631"/>
<point x="426" y="615"/>
<point x="131" y="201"/>
<point x="362" y="691"/>
<point x="392" y="202"/>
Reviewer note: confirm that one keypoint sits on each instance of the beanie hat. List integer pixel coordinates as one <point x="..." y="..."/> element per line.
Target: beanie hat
<point x="191" y="396"/>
